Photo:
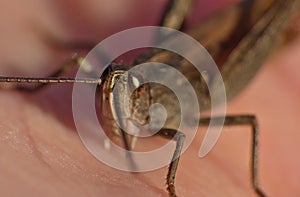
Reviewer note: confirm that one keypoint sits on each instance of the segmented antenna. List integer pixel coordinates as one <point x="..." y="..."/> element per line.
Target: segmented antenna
<point x="48" y="80"/>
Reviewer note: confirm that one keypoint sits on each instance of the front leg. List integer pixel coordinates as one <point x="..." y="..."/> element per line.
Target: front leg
<point x="179" y="138"/>
<point x="244" y="120"/>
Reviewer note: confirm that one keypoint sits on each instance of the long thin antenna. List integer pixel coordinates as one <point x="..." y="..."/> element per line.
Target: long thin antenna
<point x="49" y="80"/>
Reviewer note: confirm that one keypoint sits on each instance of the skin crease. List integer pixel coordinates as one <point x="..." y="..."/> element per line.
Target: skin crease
<point x="42" y="155"/>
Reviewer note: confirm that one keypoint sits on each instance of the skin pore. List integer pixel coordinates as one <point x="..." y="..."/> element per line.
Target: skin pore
<point x="41" y="152"/>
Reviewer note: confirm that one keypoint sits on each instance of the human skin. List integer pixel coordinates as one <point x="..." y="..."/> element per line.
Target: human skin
<point x="42" y="154"/>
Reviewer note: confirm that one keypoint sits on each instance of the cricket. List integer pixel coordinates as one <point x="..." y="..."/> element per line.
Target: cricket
<point x="247" y="33"/>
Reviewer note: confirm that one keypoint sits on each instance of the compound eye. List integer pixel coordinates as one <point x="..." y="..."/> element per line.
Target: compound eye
<point x="134" y="81"/>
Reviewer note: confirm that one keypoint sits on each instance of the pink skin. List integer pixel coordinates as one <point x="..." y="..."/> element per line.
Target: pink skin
<point x="42" y="155"/>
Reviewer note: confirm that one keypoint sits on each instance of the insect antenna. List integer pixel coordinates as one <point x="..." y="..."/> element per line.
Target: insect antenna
<point x="49" y="80"/>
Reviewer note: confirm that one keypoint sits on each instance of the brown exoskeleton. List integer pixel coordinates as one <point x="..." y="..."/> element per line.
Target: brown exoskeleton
<point x="247" y="52"/>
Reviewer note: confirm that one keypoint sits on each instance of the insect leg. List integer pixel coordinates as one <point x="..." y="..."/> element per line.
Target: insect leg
<point x="175" y="13"/>
<point x="128" y="148"/>
<point x="244" y="120"/>
<point x="173" y="17"/>
<point x="179" y="138"/>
